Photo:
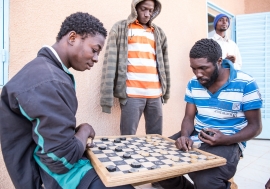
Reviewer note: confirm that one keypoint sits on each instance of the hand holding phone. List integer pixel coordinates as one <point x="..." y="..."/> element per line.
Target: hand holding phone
<point x="210" y="133"/>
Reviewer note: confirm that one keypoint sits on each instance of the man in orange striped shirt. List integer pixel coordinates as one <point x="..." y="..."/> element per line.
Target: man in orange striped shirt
<point x="136" y="63"/>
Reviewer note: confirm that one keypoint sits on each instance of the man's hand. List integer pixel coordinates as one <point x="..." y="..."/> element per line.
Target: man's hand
<point x="217" y="139"/>
<point x="267" y="186"/>
<point x="83" y="132"/>
<point x="184" y="143"/>
<point x="231" y="58"/>
<point x="86" y="128"/>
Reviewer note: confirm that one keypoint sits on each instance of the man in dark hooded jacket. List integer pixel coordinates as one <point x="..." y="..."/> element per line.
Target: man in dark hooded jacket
<point x="39" y="138"/>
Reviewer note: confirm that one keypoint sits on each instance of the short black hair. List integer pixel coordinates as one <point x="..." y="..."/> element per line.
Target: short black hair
<point x="206" y="48"/>
<point x="83" y="24"/>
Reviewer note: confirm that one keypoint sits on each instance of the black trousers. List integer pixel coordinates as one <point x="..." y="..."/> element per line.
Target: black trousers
<point x="92" y="181"/>
<point x="214" y="178"/>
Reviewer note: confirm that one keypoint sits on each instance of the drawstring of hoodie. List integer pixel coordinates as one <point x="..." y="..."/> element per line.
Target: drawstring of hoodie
<point x="129" y="28"/>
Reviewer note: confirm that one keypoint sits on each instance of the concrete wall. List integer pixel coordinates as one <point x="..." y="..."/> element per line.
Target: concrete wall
<point x="35" y="23"/>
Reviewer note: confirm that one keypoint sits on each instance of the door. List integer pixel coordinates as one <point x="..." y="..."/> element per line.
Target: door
<point x="253" y="40"/>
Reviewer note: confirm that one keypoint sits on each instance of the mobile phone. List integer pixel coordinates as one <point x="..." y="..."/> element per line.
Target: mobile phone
<point x="210" y="133"/>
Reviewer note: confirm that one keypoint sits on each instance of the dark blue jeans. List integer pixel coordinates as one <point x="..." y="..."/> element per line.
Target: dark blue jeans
<point x="214" y="178"/>
<point x="92" y="181"/>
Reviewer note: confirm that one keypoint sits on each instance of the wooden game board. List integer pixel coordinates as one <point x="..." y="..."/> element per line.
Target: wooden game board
<point x="172" y="164"/>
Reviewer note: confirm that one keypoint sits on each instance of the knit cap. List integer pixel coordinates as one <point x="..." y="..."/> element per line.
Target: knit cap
<point x="218" y="17"/>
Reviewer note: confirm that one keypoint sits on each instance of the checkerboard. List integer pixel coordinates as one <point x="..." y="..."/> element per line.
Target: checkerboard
<point x="157" y="156"/>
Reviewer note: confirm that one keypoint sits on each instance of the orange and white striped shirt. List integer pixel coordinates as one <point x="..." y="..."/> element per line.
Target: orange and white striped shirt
<point x="142" y="75"/>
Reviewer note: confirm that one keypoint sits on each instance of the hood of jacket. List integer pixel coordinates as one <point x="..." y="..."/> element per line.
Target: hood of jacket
<point x="133" y="16"/>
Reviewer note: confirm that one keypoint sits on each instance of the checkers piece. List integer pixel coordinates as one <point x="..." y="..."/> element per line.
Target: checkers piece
<point x="196" y="145"/>
<point x="156" y="143"/>
<point x="117" y="140"/>
<point x="148" y="140"/>
<point x="193" y="160"/>
<point x="135" y="164"/>
<point x="194" y="156"/>
<point x="102" y="147"/>
<point x="145" y="154"/>
<point x="155" y="167"/>
<point x="163" y="152"/>
<point x="148" y="136"/>
<point x="175" y="158"/>
<point x="126" y="155"/>
<point x="118" y="149"/>
<point x="211" y="157"/>
<point x="111" y="168"/>
<point x="133" y="170"/>
<point x="104" y="139"/>
<point x="123" y="138"/>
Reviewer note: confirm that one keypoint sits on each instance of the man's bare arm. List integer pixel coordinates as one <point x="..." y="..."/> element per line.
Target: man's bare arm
<point x="187" y="127"/>
<point x="253" y="128"/>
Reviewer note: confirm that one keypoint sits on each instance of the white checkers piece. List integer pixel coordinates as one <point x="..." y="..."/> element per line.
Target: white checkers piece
<point x="193" y="156"/>
<point x="196" y="145"/>
<point x="148" y="136"/>
<point x="163" y="152"/>
<point x="148" y="140"/>
<point x="145" y="154"/>
<point x="175" y="158"/>
<point x="193" y="160"/>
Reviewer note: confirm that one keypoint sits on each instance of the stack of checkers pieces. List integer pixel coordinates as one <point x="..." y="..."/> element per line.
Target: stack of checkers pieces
<point x="133" y="154"/>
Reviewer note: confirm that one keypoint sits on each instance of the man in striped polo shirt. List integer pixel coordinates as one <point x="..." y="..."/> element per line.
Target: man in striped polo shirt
<point x="223" y="101"/>
<point x="136" y="69"/>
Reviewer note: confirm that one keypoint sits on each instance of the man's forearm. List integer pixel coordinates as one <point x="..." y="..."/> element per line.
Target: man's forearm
<point x="187" y="127"/>
<point x="247" y="133"/>
<point x="82" y="136"/>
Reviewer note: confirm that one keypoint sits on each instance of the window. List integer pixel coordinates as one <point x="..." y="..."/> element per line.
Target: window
<point x="214" y="10"/>
<point x="4" y="42"/>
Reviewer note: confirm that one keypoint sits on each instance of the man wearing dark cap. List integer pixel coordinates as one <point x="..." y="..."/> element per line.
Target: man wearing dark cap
<point x="229" y="48"/>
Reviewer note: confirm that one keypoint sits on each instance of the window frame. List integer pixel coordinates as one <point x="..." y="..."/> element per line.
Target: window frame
<point x="4" y="41"/>
<point x="230" y="15"/>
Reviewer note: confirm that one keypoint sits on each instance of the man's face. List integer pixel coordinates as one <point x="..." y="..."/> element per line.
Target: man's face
<point x="84" y="52"/>
<point x="206" y="72"/>
<point x="145" y="10"/>
<point x="222" y="24"/>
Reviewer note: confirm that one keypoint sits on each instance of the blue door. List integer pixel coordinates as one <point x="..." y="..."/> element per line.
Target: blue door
<point x="253" y="40"/>
<point x="4" y="41"/>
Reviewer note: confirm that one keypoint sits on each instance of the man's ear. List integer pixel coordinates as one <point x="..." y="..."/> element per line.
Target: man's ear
<point x="219" y="61"/>
<point x="71" y="37"/>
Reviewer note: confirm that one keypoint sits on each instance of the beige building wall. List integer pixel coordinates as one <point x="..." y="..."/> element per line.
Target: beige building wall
<point x="36" y="23"/>
<point x="252" y="6"/>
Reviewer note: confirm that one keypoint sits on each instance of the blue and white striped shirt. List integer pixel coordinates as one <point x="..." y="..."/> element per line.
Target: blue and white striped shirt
<point x="224" y="110"/>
